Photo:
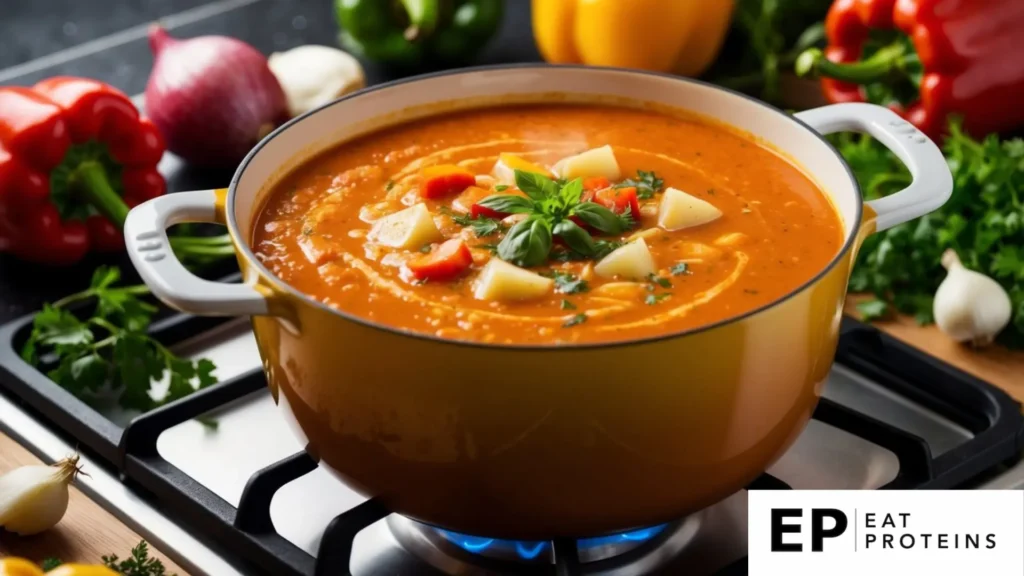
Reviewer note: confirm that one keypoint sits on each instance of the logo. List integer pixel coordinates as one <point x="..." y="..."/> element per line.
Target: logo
<point x="818" y="530"/>
<point x="886" y="532"/>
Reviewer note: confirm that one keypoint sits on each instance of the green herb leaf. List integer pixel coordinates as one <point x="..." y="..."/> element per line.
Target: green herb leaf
<point x="425" y="249"/>
<point x="508" y="204"/>
<point x="500" y="188"/>
<point x="653" y="299"/>
<point x="647" y="184"/>
<point x="873" y="309"/>
<point x="536" y="186"/>
<point x="481" y="225"/>
<point x="566" y="305"/>
<point x="566" y="283"/>
<point x="603" y="219"/>
<point x="390" y="184"/>
<point x="139" y="564"/>
<point x="660" y="281"/>
<point x="577" y="319"/>
<point x="679" y="269"/>
<point x="527" y="243"/>
<point x="572" y="192"/>
<point x="50" y="563"/>
<point x="576" y="238"/>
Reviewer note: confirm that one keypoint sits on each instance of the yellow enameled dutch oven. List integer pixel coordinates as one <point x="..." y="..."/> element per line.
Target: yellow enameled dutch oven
<point x="533" y="442"/>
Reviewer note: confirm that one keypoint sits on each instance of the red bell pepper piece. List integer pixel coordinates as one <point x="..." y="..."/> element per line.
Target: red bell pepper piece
<point x="964" y="48"/>
<point x="74" y="157"/>
<point x="450" y="259"/>
<point x="619" y="200"/>
<point x="595" y="183"/>
<point x="444" y="180"/>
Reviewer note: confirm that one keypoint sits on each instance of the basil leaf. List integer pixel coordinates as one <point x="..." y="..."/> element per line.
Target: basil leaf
<point x="602" y="218"/>
<point x="536" y="186"/>
<point x="572" y="192"/>
<point x="575" y="237"/>
<point x="527" y="243"/>
<point x="508" y="204"/>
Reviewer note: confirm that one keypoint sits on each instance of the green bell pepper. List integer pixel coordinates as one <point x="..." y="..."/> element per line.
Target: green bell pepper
<point x="415" y="32"/>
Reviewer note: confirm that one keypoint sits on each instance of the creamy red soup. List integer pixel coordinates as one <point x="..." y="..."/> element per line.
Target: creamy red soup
<point x="548" y="224"/>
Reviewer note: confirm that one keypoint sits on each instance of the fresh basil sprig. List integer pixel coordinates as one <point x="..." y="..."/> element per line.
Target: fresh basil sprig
<point x="549" y="205"/>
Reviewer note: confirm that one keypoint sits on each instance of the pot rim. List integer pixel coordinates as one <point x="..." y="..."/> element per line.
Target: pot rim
<point x="243" y="248"/>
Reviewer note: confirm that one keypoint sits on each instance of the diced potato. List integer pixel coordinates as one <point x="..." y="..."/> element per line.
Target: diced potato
<point x="507" y="164"/>
<point x="409" y="228"/>
<point x="500" y="280"/>
<point x="597" y="162"/>
<point x="680" y="210"/>
<point x="631" y="262"/>
<point x="621" y="290"/>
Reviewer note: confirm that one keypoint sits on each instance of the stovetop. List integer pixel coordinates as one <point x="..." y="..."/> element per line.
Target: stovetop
<point x="245" y="499"/>
<point x="890" y="417"/>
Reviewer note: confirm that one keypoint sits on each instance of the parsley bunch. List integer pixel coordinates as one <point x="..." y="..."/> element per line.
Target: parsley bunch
<point x="139" y="564"/>
<point x="110" y="349"/>
<point x="549" y="206"/>
<point x="983" y="222"/>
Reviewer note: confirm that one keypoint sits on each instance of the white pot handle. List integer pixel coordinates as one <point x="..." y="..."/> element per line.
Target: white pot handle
<point x="145" y="234"/>
<point x="932" y="182"/>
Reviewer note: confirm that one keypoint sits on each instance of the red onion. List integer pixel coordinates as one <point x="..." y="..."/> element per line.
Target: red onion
<point x="212" y="97"/>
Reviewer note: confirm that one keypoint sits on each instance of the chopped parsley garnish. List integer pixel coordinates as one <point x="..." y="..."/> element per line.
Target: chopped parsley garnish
<point x="663" y="282"/>
<point x="577" y="319"/>
<point x="500" y="188"/>
<point x="425" y="248"/>
<point x="481" y="225"/>
<point x="647" y="184"/>
<point x="566" y="305"/>
<point x="389" y="185"/>
<point x="680" y="269"/>
<point x="566" y="283"/>
<point x="139" y="564"/>
<point x="653" y="299"/>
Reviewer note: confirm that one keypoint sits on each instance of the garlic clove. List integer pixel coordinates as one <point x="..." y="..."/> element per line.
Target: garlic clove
<point x="969" y="306"/>
<point x="313" y="75"/>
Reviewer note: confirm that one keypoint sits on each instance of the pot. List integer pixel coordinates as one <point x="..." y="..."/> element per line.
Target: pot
<point x="534" y="442"/>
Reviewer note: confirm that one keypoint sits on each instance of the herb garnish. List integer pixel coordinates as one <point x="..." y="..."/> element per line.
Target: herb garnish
<point x="111" y="347"/>
<point x="647" y="184"/>
<point x="501" y="188"/>
<point x="660" y="281"/>
<point x="549" y="205"/>
<point x="566" y="283"/>
<point x="389" y="185"/>
<point x="577" y="319"/>
<point x="425" y="249"/>
<point x="139" y="564"/>
<point x="566" y="305"/>
<point x="653" y="299"/>
<point x="679" y="269"/>
<point x="482" y="226"/>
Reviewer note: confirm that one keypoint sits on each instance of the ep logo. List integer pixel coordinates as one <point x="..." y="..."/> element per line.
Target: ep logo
<point x="824" y="523"/>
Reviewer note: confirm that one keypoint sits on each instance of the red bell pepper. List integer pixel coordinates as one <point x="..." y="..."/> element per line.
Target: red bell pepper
<point x="443" y="180"/>
<point x="74" y="157"/>
<point x="619" y="200"/>
<point x="448" y="260"/>
<point x="929" y="60"/>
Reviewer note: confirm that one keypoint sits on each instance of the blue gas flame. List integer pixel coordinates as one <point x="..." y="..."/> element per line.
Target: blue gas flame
<point x="528" y="550"/>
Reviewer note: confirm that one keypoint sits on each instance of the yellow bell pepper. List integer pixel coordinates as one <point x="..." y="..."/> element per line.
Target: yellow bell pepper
<point x="680" y="36"/>
<point x="21" y="567"/>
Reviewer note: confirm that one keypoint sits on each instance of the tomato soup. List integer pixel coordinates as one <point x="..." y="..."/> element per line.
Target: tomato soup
<point x="548" y="224"/>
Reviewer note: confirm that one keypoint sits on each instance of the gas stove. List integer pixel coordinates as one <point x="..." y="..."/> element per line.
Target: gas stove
<point x="244" y="498"/>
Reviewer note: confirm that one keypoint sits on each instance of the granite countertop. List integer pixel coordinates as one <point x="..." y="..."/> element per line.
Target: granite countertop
<point x="107" y="41"/>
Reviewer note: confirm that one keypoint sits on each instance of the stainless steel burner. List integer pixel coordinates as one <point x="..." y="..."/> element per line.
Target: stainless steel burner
<point x="458" y="554"/>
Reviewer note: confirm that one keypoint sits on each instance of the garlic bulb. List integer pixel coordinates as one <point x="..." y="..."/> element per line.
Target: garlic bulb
<point x="313" y="75"/>
<point x="34" y="498"/>
<point x="969" y="306"/>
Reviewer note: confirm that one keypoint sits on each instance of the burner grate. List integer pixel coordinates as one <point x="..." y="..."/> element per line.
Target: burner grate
<point x="247" y="531"/>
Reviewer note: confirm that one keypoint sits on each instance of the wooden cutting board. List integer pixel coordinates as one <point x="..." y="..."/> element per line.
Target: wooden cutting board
<point x="995" y="365"/>
<point x="86" y="532"/>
